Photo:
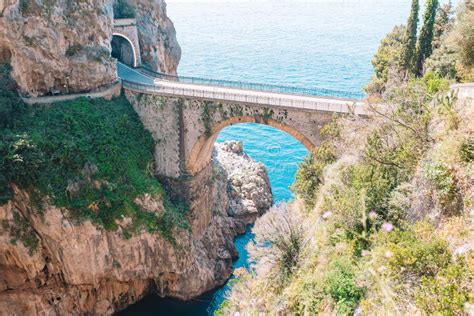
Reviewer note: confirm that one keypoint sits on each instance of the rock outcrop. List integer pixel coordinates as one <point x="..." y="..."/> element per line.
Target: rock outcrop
<point x="51" y="264"/>
<point x="58" y="45"/>
<point x="159" y="48"/>
<point x="248" y="184"/>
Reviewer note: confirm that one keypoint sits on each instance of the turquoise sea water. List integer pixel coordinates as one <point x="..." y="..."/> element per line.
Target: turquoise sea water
<point x="323" y="44"/>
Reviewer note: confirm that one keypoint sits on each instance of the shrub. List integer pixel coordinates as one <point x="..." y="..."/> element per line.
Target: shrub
<point x="101" y="54"/>
<point x="443" y="62"/>
<point x="11" y="105"/>
<point x="347" y="208"/>
<point x="415" y="265"/>
<point x="310" y="173"/>
<point x="446" y="109"/>
<point x="306" y="296"/>
<point x="278" y="241"/>
<point x="466" y="150"/>
<point x="399" y="203"/>
<point x="123" y="9"/>
<point x="386" y="61"/>
<point x="447" y="291"/>
<point x="74" y="50"/>
<point x="22" y="159"/>
<point x="411" y="114"/>
<point x="454" y="58"/>
<point x="442" y="177"/>
<point x="341" y="286"/>
<point x="377" y="181"/>
<point x="434" y="83"/>
<point x="332" y="130"/>
<point x="27" y="7"/>
<point x="20" y="230"/>
<point x="462" y="38"/>
<point x="415" y="256"/>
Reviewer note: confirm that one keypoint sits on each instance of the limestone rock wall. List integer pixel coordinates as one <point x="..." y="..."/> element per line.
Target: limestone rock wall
<point x="58" y="45"/>
<point x="81" y="269"/>
<point x="159" y="48"/>
<point x="65" y="46"/>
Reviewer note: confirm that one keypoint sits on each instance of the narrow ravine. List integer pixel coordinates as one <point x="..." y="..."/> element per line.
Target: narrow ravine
<point x="281" y="154"/>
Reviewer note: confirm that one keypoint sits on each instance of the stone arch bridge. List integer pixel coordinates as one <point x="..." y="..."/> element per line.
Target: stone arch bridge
<point x="185" y="115"/>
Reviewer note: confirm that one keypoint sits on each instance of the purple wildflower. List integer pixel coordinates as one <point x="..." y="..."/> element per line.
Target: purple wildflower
<point x="327" y="214"/>
<point x="387" y="227"/>
<point x="373" y="215"/>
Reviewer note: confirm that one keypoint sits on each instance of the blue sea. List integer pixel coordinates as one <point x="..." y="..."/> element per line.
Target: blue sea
<point x="318" y="44"/>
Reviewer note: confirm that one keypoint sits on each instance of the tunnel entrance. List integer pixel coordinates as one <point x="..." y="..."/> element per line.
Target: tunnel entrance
<point x="123" y="50"/>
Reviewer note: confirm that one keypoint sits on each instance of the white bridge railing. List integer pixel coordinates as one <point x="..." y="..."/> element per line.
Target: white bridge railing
<point x="249" y="97"/>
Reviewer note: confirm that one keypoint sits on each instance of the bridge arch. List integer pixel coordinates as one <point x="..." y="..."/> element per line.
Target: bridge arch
<point x="201" y="152"/>
<point x="122" y="52"/>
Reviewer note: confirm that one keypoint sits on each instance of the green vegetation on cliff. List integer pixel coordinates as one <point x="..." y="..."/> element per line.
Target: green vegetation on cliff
<point x="90" y="156"/>
<point x="445" y="46"/>
<point x="383" y="223"/>
<point x="123" y="9"/>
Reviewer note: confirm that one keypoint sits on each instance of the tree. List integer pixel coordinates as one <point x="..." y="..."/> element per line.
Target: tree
<point x="443" y="23"/>
<point x="386" y="61"/>
<point x="409" y="47"/>
<point x="454" y="58"/>
<point x="443" y="61"/>
<point x="462" y="39"/>
<point x="425" y="41"/>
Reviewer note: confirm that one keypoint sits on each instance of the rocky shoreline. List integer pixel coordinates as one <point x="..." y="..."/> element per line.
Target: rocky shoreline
<point x="248" y="185"/>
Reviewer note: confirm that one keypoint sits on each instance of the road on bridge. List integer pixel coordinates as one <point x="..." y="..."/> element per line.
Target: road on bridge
<point x="135" y="80"/>
<point x="130" y="74"/>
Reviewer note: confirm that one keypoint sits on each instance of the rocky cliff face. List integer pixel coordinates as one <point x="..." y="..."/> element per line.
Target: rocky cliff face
<point x="65" y="46"/>
<point x="58" y="45"/>
<point x="52" y="265"/>
<point x="159" y="48"/>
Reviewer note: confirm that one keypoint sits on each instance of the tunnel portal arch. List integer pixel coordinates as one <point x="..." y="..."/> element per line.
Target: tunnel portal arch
<point x="125" y="43"/>
<point x="123" y="50"/>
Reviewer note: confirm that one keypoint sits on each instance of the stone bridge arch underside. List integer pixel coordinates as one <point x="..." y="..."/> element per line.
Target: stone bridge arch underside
<point x="185" y="129"/>
<point x="201" y="152"/>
